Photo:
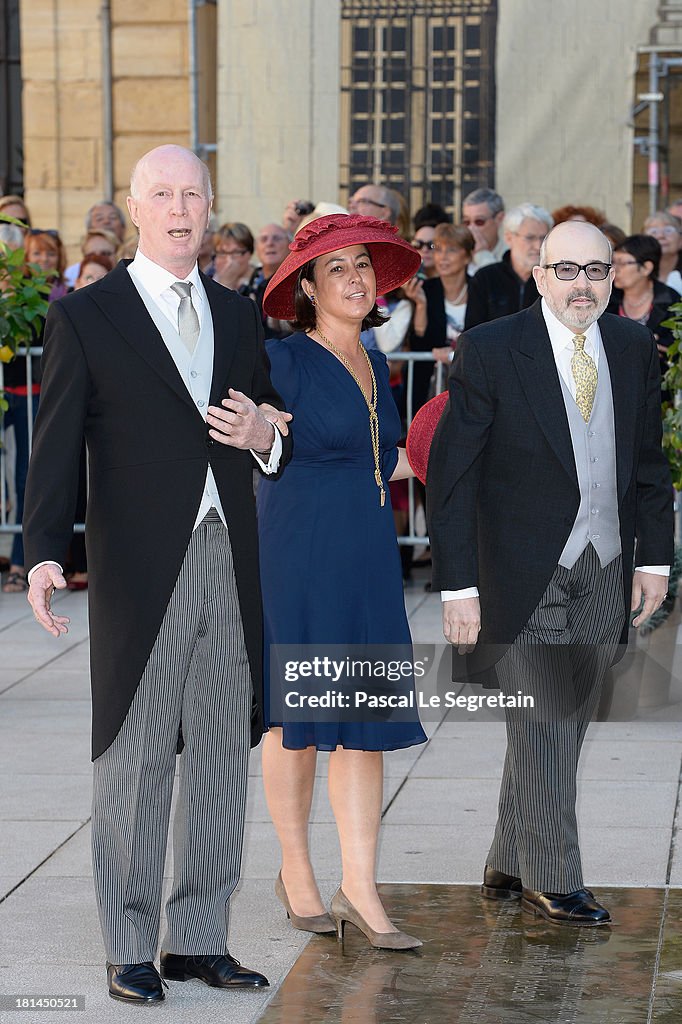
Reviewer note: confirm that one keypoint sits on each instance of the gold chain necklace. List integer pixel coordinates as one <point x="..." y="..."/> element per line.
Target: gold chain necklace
<point x="371" y="406"/>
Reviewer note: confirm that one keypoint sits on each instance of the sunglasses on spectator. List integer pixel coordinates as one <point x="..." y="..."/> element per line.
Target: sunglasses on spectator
<point x="230" y="252"/>
<point x="418" y="243"/>
<point x="43" y="231"/>
<point x="478" y="222"/>
<point x="567" y="271"/>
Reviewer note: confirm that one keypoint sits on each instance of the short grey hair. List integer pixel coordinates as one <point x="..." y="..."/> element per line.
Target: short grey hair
<point x="489" y="196"/>
<point x="96" y="206"/>
<point x="668" y="218"/>
<point x="526" y="211"/>
<point x="391" y="199"/>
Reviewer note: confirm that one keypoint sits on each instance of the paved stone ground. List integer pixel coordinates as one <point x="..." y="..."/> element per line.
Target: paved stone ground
<point x="439" y="800"/>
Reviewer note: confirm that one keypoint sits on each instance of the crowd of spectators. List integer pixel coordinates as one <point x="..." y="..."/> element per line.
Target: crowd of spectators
<point x="476" y="266"/>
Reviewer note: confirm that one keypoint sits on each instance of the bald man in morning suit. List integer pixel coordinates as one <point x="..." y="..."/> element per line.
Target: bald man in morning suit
<point x="163" y="372"/>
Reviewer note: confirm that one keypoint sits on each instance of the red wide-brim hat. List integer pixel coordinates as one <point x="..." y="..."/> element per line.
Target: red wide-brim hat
<point x="394" y="260"/>
<point x="420" y="434"/>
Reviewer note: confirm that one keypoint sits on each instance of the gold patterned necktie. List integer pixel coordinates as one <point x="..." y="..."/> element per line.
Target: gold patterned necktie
<point x="585" y="376"/>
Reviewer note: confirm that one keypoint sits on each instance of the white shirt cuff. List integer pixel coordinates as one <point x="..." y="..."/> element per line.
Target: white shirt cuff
<point x="458" y="595"/>
<point x="655" y="570"/>
<point x="48" y="562"/>
<point x="272" y="464"/>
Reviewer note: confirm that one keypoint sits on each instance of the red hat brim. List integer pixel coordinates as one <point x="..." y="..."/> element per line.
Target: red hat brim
<point x="420" y="434"/>
<point x="394" y="260"/>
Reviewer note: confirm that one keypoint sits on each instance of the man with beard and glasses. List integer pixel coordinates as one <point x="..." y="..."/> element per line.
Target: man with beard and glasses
<point x="546" y="471"/>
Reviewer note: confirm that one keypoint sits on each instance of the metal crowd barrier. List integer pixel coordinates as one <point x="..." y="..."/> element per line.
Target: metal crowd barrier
<point x="5" y="525"/>
<point x="410" y="358"/>
<point x="411" y="537"/>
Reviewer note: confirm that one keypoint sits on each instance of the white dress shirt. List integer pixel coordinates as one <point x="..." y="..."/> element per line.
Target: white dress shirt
<point x="156" y="282"/>
<point x="561" y="339"/>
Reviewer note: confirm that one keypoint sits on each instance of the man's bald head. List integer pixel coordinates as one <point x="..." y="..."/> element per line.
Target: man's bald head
<point x="571" y="233"/>
<point x="156" y="160"/>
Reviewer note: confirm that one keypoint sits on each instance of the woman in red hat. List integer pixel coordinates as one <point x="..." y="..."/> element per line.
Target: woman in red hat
<point x="330" y="565"/>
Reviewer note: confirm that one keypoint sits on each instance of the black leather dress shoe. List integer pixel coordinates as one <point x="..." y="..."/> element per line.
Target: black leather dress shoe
<point x="576" y="908"/>
<point x="135" y="983"/>
<point x="498" y="886"/>
<point x="217" y="971"/>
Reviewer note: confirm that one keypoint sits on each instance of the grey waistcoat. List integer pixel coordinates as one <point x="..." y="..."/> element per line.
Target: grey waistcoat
<point x="594" y="450"/>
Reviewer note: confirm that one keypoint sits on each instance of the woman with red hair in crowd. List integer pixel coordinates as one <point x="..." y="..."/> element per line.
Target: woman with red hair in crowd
<point x="586" y="213"/>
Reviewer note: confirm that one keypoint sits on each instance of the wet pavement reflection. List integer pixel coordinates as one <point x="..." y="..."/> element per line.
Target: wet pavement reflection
<point x="488" y="963"/>
<point x="667" y="1006"/>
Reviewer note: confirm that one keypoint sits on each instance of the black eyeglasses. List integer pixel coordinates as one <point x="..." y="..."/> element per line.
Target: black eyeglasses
<point x="418" y="243"/>
<point x="43" y="231"/>
<point x="478" y="222"/>
<point x="567" y="271"/>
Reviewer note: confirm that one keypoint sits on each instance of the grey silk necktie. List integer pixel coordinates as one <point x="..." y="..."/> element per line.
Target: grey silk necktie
<point x="585" y="376"/>
<point x="188" y="321"/>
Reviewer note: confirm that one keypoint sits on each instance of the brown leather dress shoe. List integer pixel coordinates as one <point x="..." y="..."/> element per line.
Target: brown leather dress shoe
<point x="498" y="886"/>
<point x="135" y="983"/>
<point x="217" y="971"/>
<point x="579" y="909"/>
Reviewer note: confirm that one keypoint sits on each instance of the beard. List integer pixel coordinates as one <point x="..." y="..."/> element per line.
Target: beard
<point x="577" y="318"/>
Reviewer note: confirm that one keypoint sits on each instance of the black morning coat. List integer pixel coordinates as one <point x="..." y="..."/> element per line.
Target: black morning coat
<point x="502" y="487"/>
<point x="108" y="376"/>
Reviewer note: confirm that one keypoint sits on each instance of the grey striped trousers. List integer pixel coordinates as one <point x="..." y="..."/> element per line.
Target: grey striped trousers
<point x="560" y="657"/>
<point x="198" y="674"/>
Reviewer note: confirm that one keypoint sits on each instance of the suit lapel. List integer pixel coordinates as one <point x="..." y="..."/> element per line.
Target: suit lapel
<point x="225" y="335"/>
<point x="120" y="301"/>
<point x="623" y="373"/>
<point x="539" y="377"/>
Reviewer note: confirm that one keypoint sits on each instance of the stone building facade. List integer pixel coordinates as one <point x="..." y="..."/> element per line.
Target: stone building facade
<point x="266" y="90"/>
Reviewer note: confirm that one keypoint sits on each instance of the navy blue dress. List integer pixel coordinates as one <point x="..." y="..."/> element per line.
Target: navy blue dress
<point x="330" y="566"/>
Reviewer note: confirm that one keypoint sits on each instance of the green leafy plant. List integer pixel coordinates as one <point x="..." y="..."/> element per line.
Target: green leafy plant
<point x="672" y="410"/>
<point x="23" y="301"/>
<point x="672" y="446"/>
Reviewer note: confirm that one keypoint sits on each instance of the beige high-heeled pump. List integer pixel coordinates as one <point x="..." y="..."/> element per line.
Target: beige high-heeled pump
<point x="321" y="924"/>
<point x="343" y="911"/>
